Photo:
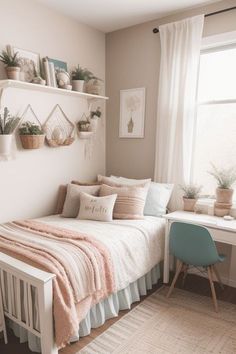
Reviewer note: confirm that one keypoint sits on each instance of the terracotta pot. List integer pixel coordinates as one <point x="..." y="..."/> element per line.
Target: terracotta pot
<point x="32" y="141"/>
<point x="218" y="211"/>
<point x="13" y="72"/>
<point x="224" y="195"/>
<point x="189" y="204"/>
<point x="78" y="85"/>
<point x="5" y="144"/>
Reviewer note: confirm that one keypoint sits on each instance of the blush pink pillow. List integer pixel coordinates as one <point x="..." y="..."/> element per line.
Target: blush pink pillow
<point x="129" y="203"/>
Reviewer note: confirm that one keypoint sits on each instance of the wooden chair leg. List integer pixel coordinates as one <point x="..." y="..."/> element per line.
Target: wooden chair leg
<point x="180" y="266"/>
<point x="210" y="276"/>
<point x="185" y="270"/>
<point x="217" y="275"/>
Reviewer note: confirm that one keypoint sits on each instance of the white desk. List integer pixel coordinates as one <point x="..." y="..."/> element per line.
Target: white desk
<point x="220" y="230"/>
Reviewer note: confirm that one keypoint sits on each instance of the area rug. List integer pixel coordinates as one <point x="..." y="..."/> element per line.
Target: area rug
<point x="185" y="323"/>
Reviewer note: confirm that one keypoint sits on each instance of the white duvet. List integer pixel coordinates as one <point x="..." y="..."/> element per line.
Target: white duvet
<point x="136" y="246"/>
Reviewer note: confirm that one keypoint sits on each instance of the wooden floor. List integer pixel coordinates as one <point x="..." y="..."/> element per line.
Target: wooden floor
<point x="196" y="284"/>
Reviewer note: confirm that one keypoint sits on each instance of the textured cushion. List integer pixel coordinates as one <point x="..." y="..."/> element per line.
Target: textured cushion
<point x="157" y="198"/>
<point x="72" y="202"/>
<point x="129" y="203"/>
<point x="158" y="194"/>
<point x="96" y="208"/>
<point x="61" y="197"/>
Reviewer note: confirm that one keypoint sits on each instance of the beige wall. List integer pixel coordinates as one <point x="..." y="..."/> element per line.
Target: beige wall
<point x="29" y="182"/>
<point x="132" y="60"/>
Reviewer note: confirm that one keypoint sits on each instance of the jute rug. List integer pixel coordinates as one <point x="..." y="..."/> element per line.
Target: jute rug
<point x="184" y="324"/>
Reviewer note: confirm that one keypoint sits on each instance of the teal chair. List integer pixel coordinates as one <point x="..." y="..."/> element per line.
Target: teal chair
<point x="193" y="245"/>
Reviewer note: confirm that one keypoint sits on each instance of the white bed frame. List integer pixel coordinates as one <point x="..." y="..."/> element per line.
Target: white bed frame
<point x="22" y="273"/>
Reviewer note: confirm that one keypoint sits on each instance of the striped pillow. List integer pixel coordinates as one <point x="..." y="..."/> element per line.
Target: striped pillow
<point x="129" y="203"/>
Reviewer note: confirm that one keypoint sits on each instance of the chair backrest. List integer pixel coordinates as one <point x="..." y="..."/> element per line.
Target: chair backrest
<point x="192" y="244"/>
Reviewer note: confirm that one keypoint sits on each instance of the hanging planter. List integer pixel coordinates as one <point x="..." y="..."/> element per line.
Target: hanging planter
<point x="94" y="117"/>
<point x="31" y="134"/>
<point x="83" y="126"/>
<point x="8" y="124"/>
<point x="58" y="128"/>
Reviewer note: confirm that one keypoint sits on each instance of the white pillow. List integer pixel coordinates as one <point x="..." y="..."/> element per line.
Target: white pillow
<point x="96" y="208"/>
<point x="158" y="194"/>
<point x="72" y="201"/>
<point x="157" y="199"/>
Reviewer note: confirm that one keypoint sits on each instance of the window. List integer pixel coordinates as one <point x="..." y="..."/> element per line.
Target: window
<point x="215" y="135"/>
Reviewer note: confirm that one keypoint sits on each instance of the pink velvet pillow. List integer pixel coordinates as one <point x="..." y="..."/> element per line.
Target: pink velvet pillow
<point x="129" y="203"/>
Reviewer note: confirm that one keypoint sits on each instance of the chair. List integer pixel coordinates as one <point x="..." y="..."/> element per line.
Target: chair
<point x="193" y="245"/>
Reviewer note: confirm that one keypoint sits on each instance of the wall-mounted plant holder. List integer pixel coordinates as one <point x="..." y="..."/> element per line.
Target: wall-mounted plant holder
<point x="31" y="134"/>
<point x="8" y="125"/>
<point x="85" y="135"/>
<point x="83" y="126"/>
<point x="58" y="128"/>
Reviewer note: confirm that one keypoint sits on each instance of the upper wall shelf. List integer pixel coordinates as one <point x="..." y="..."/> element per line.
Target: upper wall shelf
<point x="35" y="87"/>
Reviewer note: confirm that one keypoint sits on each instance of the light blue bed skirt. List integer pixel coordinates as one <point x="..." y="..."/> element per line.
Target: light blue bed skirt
<point x="108" y="308"/>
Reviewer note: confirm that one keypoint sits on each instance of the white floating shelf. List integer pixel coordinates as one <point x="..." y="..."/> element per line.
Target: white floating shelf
<point x="35" y="87"/>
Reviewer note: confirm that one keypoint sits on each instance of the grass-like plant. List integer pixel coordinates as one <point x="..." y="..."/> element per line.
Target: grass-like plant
<point x="225" y="177"/>
<point x="191" y="191"/>
<point x="80" y="73"/>
<point x="9" y="60"/>
<point x="8" y="123"/>
<point x="29" y="128"/>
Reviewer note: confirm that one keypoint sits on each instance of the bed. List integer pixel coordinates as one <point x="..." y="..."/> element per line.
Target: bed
<point x="135" y="247"/>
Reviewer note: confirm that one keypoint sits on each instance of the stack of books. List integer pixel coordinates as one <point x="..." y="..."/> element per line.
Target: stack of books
<point x="49" y="72"/>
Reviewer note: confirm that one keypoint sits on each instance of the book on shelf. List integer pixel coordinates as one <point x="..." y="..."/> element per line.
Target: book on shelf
<point x="52" y="74"/>
<point x="46" y="70"/>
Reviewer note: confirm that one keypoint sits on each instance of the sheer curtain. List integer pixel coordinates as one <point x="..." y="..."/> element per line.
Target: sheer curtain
<point x="180" y="54"/>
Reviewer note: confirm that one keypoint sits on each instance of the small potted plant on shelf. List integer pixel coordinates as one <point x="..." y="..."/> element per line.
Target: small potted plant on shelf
<point x="94" y="116"/>
<point x="224" y="192"/>
<point x="31" y="135"/>
<point x="79" y="76"/>
<point x="12" y="65"/>
<point x="191" y="195"/>
<point x="8" y="125"/>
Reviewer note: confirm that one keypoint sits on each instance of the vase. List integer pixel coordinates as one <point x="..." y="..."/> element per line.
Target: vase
<point x="224" y="195"/>
<point x="78" y="85"/>
<point x="5" y="144"/>
<point x="189" y="204"/>
<point x="93" y="124"/>
<point x="32" y="141"/>
<point x="13" y="72"/>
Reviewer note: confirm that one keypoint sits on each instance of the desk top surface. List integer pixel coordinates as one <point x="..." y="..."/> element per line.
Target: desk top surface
<point x="203" y="219"/>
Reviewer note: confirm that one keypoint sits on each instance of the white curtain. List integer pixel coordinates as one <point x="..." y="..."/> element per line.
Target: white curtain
<point x="180" y="54"/>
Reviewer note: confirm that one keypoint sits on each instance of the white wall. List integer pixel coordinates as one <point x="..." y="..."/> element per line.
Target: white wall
<point x="29" y="182"/>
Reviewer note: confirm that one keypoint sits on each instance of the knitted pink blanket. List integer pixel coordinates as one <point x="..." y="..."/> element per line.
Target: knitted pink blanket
<point x="71" y="301"/>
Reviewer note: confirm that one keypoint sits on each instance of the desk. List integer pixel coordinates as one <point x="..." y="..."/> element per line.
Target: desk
<point x="221" y="230"/>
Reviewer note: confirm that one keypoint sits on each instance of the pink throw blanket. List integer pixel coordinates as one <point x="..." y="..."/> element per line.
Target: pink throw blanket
<point x="70" y="305"/>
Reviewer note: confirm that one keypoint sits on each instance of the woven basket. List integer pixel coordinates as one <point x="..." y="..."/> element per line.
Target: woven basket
<point x="32" y="141"/>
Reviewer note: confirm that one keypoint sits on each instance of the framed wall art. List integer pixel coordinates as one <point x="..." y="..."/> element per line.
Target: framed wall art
<point x="132" y="113"/>
<point x="29" y="63"/>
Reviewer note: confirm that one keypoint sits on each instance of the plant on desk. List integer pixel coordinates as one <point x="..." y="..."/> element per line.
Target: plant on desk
<point x="224" y="192"/>
<point x="191" y="195"/>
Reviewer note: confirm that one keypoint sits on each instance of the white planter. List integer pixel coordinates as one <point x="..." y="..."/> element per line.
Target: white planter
<point x="93" y="125"/>
<point x="5" y="144"/>
<point x="78" y="85"/>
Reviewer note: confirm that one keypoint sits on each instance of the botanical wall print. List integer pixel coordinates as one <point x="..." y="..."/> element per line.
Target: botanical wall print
<point x="132" y="111"/>
<point x="29" y="64"/>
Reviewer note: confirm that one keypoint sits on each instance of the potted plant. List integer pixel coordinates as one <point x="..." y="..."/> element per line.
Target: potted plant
<point x="12" y="65"/>
<point x="8" y="124"/>
<point x="31" y="135"/>
<point x="79" y="76"/>
<point x="225" y="179"/>
<point x="84" y="128"/>
<point x="190" y="197"/>
<point x="94" y="116"/>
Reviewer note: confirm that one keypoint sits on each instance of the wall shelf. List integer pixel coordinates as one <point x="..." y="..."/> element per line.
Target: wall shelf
<point x="4" y="84"/>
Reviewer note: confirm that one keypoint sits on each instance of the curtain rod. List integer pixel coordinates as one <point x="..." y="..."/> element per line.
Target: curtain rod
<point x="156" y="30"/>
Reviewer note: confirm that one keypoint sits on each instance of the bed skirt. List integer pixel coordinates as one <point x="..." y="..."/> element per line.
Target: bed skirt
<point x="106" y="309"/>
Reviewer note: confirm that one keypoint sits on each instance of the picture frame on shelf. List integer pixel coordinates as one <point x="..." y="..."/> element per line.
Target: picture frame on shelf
<point x="29" y="63"/>
<point x="132" y="113"/>
<point x="59" y="76"/>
